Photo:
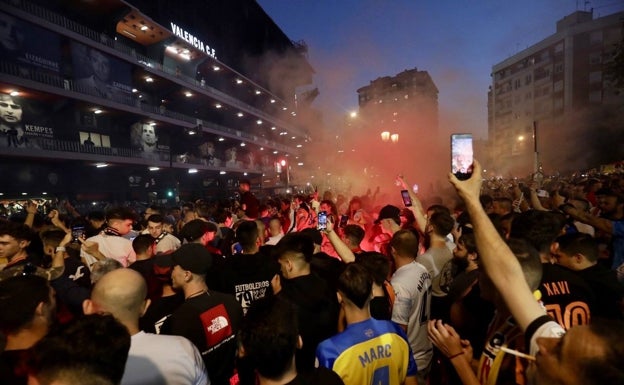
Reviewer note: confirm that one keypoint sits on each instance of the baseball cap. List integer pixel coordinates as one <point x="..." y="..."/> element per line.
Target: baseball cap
<point x="196" y="228"/>
<point x="191" y="256"/>
<point x="389" y="212"/>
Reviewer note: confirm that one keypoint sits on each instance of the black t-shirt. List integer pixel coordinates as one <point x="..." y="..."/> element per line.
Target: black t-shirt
<point x="145" y="267"/>
<point x="566" y="296"/>
<point x="158" y="311"/>
<point x="319" y="376"/>
<point x="327" y="267"/>
<point x="608" y="291"/>
<point x="380" y="308"/>
<point x="13" y="367"/>
<point x="317" y="312"/>
<point x="247" y="277"/>
<point x="210" y="321"/>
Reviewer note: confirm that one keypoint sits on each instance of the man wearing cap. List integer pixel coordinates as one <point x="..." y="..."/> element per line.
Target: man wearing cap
<point x="164" y="241"/>
<point x="208" y="318"/>
<point x="202" y="232"/>
<point x="390" y="219"/>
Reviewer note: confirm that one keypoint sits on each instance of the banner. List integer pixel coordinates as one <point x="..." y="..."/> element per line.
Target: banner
<point x="100" y="74"/>
<point x="25" y="43"/>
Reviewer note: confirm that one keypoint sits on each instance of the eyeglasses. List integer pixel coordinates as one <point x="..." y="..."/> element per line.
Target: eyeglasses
<point x="12" y="106"/>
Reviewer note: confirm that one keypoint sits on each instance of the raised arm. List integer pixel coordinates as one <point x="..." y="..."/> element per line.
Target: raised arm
<point x="603" y="224"/>
<point x="344" y="252"/>
<point x="496" y="258"/>
<point x="416" y="208"/>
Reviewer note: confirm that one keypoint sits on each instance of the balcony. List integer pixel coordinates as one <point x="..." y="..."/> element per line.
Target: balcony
<point x="148" y="63"/>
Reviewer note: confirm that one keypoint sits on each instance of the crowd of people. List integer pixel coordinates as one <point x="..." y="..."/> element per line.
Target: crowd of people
<point x="510" y="282"/>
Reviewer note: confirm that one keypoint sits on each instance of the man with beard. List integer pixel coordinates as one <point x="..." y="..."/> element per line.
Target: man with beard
<point x="469" y="312"/>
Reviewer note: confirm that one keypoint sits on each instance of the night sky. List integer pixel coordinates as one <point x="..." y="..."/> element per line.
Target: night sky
<point x="352" y="42"/>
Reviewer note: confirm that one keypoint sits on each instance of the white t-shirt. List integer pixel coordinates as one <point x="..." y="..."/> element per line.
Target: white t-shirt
<point x="412" y="287"/>
<point x="434" y="260"/>
<point x="111" y="246"/>
<point x="162" y="359"/>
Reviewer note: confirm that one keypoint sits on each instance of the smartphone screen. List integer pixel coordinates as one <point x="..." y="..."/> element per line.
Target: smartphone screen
<point x="461" y="155"/>
<point x="77" y="233"/>
<point x="344" y="219"/>
<point x="322" y="221"/>
<point x="407" y="201"/>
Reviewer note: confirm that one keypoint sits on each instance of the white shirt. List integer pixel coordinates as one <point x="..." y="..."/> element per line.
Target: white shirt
<point x="163" y="360"/>
<point x="434" y="260"/>
<point x="412" y="287"/>
<point x="111" y="246"/>
<point x="274" y="239"/>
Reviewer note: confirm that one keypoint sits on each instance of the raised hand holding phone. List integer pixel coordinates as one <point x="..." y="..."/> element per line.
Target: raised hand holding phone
<point x="461" y="156"/>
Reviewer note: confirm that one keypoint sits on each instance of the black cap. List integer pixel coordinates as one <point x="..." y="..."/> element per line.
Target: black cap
<point x="389" y="212"/>
<point x="196" y="228"/>
<point x="191" y="256"/>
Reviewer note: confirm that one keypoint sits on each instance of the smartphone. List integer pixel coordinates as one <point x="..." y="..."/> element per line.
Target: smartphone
<point x="77" y="233"/>
<point x="344" y="219"/>
<point x="322" y="221"/>
<point x="407" y="201"/>
<point x="461" y="155"/>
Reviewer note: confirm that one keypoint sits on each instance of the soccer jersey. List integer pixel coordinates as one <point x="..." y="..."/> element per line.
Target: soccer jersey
<point x="412" y="288"/>
<point x="369" y="352"/>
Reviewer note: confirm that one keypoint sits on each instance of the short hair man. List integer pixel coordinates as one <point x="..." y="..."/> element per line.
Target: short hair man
<point x="412" y="287"/>
<point x="566" y="296"/>
<point x="248" y="275"/>
<point x="208" y="318"/>
<point x="152" y="358"/>
<point x="269" y="338"/>
<point x="579" y="252"/>
<point x="165" y="242"/>
<point x="317" y="308"/>
<point x="110" y="243"/>
<point x="275" y="231"/>
<point x="91" y="350"/>
<point x="379" y="347"/>
<point x="353" y="235"/>
<point x="27" y="310"/>
<point x="14" y="239"/>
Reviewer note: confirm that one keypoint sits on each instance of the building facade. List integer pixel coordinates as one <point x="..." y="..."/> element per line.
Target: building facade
<point x="390" y="102"/>
<point x="142" y="99"/>
<point x="553" y="103"/>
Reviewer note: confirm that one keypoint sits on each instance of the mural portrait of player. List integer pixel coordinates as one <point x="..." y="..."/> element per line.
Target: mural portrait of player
<point x="207" y="154"/>
<point x="145" y="139"/>
<point x="100" y="74"/>
<point x="250" y="162"/>
<point x="231" y="156"/>
<point x="11" y="36"/>
<point x="26" y="43"/>
<point x="11" y="121"/>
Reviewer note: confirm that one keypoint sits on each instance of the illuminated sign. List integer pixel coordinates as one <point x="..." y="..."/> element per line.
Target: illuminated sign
<point x="193" y="40"/>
